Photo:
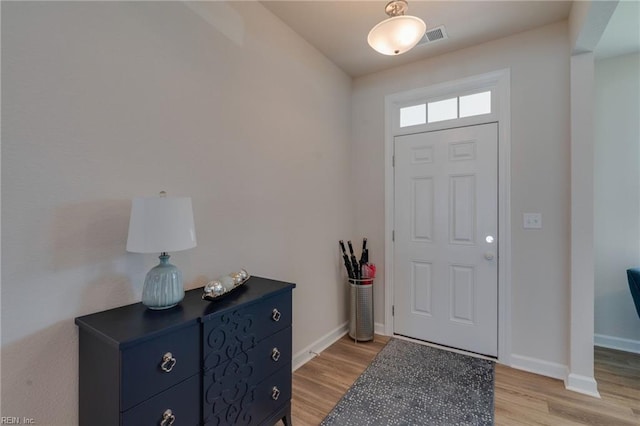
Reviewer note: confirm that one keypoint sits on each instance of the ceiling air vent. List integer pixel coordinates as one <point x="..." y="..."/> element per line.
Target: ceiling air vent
<point x="434" y="34"/>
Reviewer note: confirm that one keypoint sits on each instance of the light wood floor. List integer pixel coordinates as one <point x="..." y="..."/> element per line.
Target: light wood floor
<point x="520" y="398"/>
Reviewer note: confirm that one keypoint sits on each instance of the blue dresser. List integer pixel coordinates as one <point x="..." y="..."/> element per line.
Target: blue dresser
<point x="226" y="362"/>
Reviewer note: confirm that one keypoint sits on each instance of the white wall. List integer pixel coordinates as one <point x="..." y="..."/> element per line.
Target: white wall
<point x="580" y="377"/>
<point x="540" y="171"/>
<point x="587" y="23"/>
<point x="106" y="101"/>
<point x="617" y="198"/>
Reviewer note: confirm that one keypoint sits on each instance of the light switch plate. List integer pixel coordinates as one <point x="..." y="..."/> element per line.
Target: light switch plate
<point x="532" y="220"/>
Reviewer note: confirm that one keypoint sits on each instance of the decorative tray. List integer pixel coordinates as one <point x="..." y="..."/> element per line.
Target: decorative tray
<point x="225" y="285"/>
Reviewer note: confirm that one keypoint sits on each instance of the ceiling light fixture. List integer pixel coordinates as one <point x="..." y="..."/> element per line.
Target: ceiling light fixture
<point x="399" y="33"/>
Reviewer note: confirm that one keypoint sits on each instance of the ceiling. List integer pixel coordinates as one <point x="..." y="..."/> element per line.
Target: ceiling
<point x="339" y="28"/>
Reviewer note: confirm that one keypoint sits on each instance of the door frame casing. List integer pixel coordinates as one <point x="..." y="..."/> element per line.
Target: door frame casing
<point x="499" y="82"/>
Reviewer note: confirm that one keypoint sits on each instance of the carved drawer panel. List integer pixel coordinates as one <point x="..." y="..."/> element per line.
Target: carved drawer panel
<point x="229" y="334"/>
<point x="252" y="366"/>
<point x="236" y="400"/>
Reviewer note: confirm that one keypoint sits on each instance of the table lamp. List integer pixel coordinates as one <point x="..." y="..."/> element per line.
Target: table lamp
<point x="160" y="225"/>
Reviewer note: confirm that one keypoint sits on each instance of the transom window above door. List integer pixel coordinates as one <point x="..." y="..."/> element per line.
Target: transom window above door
<point x="446" y="109"/>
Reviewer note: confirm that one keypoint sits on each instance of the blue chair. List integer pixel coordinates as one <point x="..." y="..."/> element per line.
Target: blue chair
<point x="633" y="275"/>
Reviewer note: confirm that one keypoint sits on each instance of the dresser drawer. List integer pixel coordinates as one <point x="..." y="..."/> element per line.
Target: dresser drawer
<point x="271" y="394"/>
<point x="246" y="402"/>
<point x="251" y="367"/>
<point x="229" y="334"/>
<point x="271" y="354"/>
<point x="142" y="365"/>
<point x="183" y="400"/>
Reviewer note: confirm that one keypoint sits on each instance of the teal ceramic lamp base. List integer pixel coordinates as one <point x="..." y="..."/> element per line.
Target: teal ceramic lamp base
<point x="163" y="286"/>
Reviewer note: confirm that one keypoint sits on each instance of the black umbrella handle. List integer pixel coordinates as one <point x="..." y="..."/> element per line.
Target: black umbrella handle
<point x="354" y="261"/>
<point x="347" y="262"/>
<point x="344" y="251"/>
<point x="364" y="257"/>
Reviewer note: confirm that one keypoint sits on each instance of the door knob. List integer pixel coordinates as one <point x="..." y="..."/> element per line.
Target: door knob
<point x="489" y="255"/>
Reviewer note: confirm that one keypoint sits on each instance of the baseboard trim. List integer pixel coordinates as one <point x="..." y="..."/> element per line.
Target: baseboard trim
<point x="582" y="384"/>
<point x="573" y="382"/>
<point x="312" y="351"/>
<point x="618" y="343"/>
<point x="379" y="328"/>
<point x="538" y="366"/>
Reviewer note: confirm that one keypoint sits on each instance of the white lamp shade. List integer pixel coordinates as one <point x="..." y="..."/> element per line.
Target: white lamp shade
<point x="161" y="224"/>
<point x="397" y="34"/>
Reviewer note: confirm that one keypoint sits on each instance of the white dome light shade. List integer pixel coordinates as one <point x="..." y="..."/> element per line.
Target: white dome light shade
<point x="396" y="35"/>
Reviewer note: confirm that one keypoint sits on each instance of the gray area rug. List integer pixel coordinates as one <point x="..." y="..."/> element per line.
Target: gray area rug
<point x="412" y="384"/>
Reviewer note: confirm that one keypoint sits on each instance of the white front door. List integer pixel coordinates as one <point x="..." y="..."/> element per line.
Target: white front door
<point x="445" y="262"/>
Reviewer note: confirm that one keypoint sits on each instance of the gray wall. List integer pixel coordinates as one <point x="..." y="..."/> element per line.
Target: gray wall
<point x="540" y="170"/>
<point x="102" y="102"/>
<point x="617" y="199"/>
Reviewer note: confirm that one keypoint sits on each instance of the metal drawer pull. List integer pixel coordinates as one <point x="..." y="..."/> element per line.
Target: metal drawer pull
<point x="168" y="362"/>
<point x="275" y="315"/>
<point x="275" y="354"/>
<point x="275" y="393"/>
<point x="167" y="418"/>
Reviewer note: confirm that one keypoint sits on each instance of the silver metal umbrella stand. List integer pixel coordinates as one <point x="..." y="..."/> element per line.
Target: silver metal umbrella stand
<point x="361" y="324"/>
